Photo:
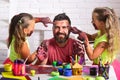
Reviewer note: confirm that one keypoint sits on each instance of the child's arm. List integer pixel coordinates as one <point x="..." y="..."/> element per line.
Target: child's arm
<point x="25" y="53"/>
<point x="44" y="20"/>
<point x="80" y="33"/>
<point x="42" y="53"/>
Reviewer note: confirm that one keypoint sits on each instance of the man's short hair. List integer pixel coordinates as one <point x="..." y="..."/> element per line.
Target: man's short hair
<point x="62" y="16"/>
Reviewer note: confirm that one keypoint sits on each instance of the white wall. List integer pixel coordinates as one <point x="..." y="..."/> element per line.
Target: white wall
<point x="79" y="12"/>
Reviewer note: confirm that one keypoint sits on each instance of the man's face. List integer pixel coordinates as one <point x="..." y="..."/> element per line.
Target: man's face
<point x="61" y="31"/>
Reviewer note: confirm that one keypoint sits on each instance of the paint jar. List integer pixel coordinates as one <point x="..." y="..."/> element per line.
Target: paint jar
<point x="19" y="68"/>
<point x="54" y="73"/>
<point x="67" y="72"/>
<point x="104" y="71"/>
<point x="93" y="71"/>
<point x="60" y="70"/>
<point x="32" y="72"/>
<point x="8" y="67"/>
<point x="67" y="66"/>
<point x="54" y="63"/>
<point x="99" y="78"/>
<point x="59" y="63"/>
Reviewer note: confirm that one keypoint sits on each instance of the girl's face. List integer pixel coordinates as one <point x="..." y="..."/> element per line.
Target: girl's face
<point x="98" y="25"/>
<point x="29" y="30"/>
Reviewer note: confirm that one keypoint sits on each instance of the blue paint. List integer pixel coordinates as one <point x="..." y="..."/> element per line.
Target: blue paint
<point x="67" y="72"/>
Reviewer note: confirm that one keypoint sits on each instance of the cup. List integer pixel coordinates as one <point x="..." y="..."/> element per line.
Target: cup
<point x="19" y="68"/>
<point x="8" y="67"/>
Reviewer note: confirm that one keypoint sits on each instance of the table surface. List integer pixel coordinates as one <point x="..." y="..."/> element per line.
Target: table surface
<point x="112" y="75"/>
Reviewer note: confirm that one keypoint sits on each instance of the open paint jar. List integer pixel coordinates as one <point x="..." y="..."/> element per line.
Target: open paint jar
<point x="8" y="67"/>
<point x="93" y="71"/>
<point x="19" y="68"/>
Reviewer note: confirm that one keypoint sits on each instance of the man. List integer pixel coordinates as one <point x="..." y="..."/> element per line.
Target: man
<point x="61" y="47"/>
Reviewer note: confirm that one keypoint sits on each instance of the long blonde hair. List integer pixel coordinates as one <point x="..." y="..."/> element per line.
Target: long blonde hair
<point x="18" y="23"/>
<point x="109" y="17"/>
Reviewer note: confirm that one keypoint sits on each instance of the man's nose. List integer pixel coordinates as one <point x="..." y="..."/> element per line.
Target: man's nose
<point x="61" y="30"/>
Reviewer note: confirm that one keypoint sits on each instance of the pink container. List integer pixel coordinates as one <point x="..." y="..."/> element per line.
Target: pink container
<point x="19" y="68"/>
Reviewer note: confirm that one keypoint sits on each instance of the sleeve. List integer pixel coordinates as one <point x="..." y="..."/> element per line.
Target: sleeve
<point x="79" y="50"/>
<point x="42" y="51"/>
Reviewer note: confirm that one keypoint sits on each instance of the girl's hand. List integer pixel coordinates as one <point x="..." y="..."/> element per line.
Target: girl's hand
<point x="45" y="21"/>
<point x="41" y="53"/>
<point x="75" y="30"/>
<point x="81" y="35"/>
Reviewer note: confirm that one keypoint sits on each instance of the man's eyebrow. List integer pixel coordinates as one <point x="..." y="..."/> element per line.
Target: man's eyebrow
<point x="65" y="26"/>
<point x="62" y="26"/>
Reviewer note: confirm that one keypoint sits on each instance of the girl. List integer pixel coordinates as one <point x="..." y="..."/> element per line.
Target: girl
<point x="106" y="40"/>
<point x="22" y="26"/>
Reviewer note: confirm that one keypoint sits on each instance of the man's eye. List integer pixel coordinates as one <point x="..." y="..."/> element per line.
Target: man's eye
<point x="65" y="27"/>
<point x="56" y="27"/>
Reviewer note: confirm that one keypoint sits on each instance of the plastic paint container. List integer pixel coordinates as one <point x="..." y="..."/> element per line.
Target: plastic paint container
<point x="59" y="63"/>
<point x="67" y="72"/>
<point x="55" y="73"/>
<point x="19" y="68"/>
<point x="93" y="71"/>
<point x="67" y="66"/>
<point x="60" y="70"/>
<point x="99" y="78"/>
<point x="8" y="67"/>
<point x="32" y="72"/>
<point x="54" y="63"/>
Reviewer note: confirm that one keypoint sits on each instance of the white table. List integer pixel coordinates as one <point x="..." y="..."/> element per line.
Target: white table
<point x="112" y="75"/>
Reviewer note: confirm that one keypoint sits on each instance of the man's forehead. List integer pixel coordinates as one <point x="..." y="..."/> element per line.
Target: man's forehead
<point x="61" y="22"/>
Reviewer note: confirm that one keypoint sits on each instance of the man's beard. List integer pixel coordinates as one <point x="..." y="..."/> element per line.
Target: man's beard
<point x="61" y="40"/>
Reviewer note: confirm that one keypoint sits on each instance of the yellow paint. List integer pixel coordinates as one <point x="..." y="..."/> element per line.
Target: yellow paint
<point x="8" y="67"/>
<point x="10" y="75"/>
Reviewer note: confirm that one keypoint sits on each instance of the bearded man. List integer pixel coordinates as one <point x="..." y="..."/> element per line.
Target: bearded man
<point x="61" y="47"/>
